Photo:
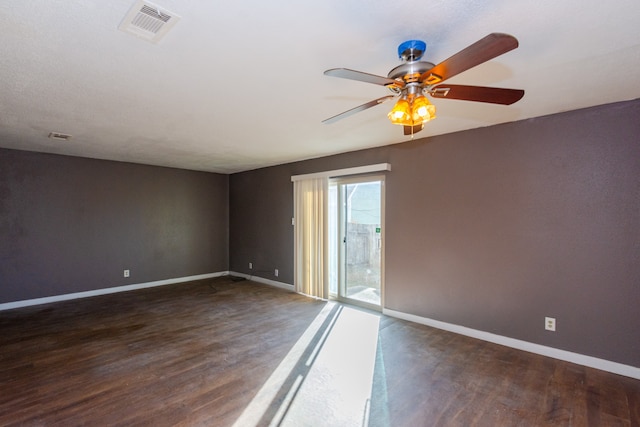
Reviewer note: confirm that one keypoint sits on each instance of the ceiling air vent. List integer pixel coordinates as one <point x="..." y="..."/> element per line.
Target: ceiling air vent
<point x="148" y="21"/>
<point x="59" y="136"/>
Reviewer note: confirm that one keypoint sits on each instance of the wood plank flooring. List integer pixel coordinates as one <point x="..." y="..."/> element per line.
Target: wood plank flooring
<point x="200" y="353"/>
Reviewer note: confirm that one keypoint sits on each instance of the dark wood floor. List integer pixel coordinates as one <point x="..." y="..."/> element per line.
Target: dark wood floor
<point x="198" y="353"/>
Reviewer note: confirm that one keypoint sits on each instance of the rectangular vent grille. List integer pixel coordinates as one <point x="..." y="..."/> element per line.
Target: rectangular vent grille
<point x="148" y="21"/>
<point x="59" y="136"/>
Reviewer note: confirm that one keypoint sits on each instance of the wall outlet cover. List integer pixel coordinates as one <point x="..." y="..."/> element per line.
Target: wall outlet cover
<point x="550" y="323"/>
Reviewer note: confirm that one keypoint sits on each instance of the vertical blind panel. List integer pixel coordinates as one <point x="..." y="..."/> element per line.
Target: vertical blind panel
<point x="311" y="250"/>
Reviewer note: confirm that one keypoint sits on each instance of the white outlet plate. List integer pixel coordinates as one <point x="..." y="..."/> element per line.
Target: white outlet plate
<point x="276" y="272"/>
<point x="550" y="323"/>
<point x="126" y="273"/>
<point x="250" y="266"/>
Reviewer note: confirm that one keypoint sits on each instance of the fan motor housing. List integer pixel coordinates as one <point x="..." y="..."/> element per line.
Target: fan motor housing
<point x="410" y="71"/>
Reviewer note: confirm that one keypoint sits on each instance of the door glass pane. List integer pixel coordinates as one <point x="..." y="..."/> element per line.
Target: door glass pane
<point x="362" y="241"/>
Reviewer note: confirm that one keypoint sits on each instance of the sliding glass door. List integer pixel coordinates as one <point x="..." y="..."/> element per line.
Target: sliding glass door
<point x="356" y="245"/>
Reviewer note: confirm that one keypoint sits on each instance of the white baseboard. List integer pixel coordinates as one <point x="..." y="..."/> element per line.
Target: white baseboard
<point x="269" y="282"/>
<point x="580" y="359"/>
<point x="96" y="292"/>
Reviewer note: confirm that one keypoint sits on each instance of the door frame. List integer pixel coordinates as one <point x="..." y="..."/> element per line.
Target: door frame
<point x="341" y="273"/>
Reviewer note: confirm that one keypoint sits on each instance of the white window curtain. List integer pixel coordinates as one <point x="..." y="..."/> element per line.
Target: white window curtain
<point x="311" y="276"/>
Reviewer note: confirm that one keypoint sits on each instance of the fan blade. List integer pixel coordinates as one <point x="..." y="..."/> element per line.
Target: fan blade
<point x="489" y="47"/>
<point x="493" y="95"/>
<point x="411" y="130"/>
<point x="346" y="73"/>
<point x="357" y="109"/>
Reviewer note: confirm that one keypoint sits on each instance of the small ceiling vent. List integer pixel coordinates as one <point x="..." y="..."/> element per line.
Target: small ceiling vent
<point x="148" y="21"/>
<point x="59" y="136"/>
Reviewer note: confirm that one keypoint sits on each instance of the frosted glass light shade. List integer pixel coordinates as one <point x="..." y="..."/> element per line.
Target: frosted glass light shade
<point x="400" y="114"/>
<point x="422" y="110"/>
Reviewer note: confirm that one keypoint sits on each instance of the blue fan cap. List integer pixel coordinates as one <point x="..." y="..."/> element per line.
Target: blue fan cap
<point x="413" y="48"/>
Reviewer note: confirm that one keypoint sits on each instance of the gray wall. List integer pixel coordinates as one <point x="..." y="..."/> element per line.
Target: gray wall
<point x="493" y="228"/>
<point x="260" y="223"/>
<point x="70" y="224"/>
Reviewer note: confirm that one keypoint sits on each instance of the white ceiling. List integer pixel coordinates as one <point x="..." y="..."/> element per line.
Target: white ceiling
<point x="240" y="85"/>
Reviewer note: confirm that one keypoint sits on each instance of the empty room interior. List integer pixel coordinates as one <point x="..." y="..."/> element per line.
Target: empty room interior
<point x="336" y="213"/>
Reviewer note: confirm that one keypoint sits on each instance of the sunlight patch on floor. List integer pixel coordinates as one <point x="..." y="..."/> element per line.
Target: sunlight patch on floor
<point x="325" y="378"/>
<point x="254" y="412"/>
<point x="337" y="388"/>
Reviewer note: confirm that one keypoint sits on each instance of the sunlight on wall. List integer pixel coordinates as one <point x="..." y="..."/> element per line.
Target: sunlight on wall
<point x="326" y="377"/>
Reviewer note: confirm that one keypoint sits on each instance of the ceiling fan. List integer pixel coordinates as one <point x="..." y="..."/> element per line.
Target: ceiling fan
<point x="412" y="80"/>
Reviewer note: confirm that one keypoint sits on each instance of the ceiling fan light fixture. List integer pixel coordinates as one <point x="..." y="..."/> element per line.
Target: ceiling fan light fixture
<point x="415" y="78"/>
<point x="400" y="114"/>
<point x="412" y="112"/>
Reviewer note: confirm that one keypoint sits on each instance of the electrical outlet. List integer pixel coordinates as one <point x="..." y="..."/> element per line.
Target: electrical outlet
<point x="550" y="323"/>
<point x="126" y="273"/>
<point x="250" y="266"/>
<point x="276" y="272"/>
